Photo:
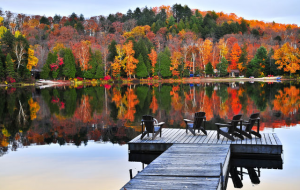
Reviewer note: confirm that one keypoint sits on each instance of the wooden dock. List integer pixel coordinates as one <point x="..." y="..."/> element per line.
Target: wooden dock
<point x="185" y="166"/>
<point x="193" y="162"/>
<point x="268" y="144"/>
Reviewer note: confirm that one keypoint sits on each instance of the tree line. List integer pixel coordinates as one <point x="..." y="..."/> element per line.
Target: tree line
<point x="166" y="41"/>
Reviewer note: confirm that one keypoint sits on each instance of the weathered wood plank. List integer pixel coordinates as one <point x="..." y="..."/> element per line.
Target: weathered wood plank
<point x="175" y="136"/>
<point x="166" y="134"/>
<point x="263" y="139"/>
<point x="273" y="141"/>
<point x="278" y="142"/>
<point x="268" y="141"/>
<point x="213" y="137"/>
<point x="258" y="141"/>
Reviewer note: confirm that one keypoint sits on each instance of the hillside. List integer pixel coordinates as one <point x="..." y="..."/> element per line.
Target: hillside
<point x="166" y="41"/>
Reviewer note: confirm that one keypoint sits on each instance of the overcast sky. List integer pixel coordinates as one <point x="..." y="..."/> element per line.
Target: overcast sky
<point x="283" y="11"/>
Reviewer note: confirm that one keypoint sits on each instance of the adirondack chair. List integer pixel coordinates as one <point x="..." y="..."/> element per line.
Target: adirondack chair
<point x="246" y="128"/>
<point x="151" y="126"/>
<point x="229" y="129"/>
<point x="192" y="126"/>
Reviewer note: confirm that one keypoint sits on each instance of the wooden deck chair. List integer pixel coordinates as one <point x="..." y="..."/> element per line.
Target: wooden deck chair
<point x="151" y="126"/>
<point x="228" y="130"/>
<point x="246" y="128"/>
<point x="192" y="126"/>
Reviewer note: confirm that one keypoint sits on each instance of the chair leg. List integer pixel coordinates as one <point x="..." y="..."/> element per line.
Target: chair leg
<point x="143" y="134"/>
<point x="256" y="134"/>
<point x="228" y="136"/>
<point x="203" y="130"/>
<point x="192" y="131"/>
<point x="238" y="135"/>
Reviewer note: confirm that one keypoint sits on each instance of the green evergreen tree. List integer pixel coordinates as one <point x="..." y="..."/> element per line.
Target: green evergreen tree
<point x="195" y="28"/>
<point x="112" y="51"/>
<point x="141" y="48"/>
<point x="243" y="58"/>
<point x="209" y="70"/>
<point x="141" y="69"/>
<point x="181" y="25"/>
<point x="90" y="73"/>
<point x="69" y="68"/>
<point x="10" y="71"/>
<point x="255" y="67"/>
<point x="2" y="70"/>
<point x="8" y="40"/>
<point x="171" y="20"/>
<point x="164" y="63"/>
<point x="45" y="73"/>
<point x="222" y="67"/>
<point x="100" y="66"/>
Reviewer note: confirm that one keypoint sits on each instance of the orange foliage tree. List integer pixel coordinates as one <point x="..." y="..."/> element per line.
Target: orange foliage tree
<point x="205" y="49"/>
<point x="83" y="112"/>
<point x="81" y="52"/>
<point x="153" y="59"/>
<point x="132" y="101"/>
<point x="130" y="62"/>
<point x="287" y="101"/>
<point x="175" y="61"/>
<point x="235" y="56"/>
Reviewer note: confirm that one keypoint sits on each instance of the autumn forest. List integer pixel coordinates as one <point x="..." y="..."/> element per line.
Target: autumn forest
<point x="160" y="42"/>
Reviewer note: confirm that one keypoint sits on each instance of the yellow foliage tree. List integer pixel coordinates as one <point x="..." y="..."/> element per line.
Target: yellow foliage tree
<point x="32" y="60"/>
<point x="118" y="62"/>
<point x="288" y="58"/>
<point x="58" y="46"/>
<point x="34" y="107"/>
<point x="3" y="29"/>
<point x="18" y="33"/>
<point x="223" y="48"/>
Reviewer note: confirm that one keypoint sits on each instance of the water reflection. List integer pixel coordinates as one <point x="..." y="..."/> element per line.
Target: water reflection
<point x="240" y="168"/>
<point x="112" y="113"/>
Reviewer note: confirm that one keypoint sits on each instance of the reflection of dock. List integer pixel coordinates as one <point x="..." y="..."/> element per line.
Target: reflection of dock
<point x="194" y="161"/>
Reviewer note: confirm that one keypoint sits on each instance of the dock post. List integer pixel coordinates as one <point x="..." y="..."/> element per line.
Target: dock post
<point x="130" y="173"/>
<point x="222" y="177"/>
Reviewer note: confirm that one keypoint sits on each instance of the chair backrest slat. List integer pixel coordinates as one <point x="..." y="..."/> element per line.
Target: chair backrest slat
<point x="198" y="119"/>
<point x="253" y="118"/>
<point x="234" y="122"/>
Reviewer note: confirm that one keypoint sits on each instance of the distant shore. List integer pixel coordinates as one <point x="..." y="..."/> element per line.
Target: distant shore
<point x="50" y="83"/>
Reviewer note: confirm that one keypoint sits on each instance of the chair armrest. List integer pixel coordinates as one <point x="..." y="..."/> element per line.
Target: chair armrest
<point x="222" y="124"/>
<point x="187" y="120"/>
<point x="160" y="123"/>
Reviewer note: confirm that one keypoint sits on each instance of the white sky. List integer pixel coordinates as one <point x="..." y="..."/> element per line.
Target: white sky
<point x="283" y="11"/>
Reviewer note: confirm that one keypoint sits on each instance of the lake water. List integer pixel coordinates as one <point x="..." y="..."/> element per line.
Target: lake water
<point x="76" y="138"/>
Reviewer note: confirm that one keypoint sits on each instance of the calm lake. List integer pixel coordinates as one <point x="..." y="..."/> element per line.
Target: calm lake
<point x="76" y="137"/>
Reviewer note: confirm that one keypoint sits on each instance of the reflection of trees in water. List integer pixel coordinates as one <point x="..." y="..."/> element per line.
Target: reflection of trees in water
<point x="69" y="115"/>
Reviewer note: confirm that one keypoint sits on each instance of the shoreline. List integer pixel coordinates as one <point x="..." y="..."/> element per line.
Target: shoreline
<point x="51" y="83"/>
